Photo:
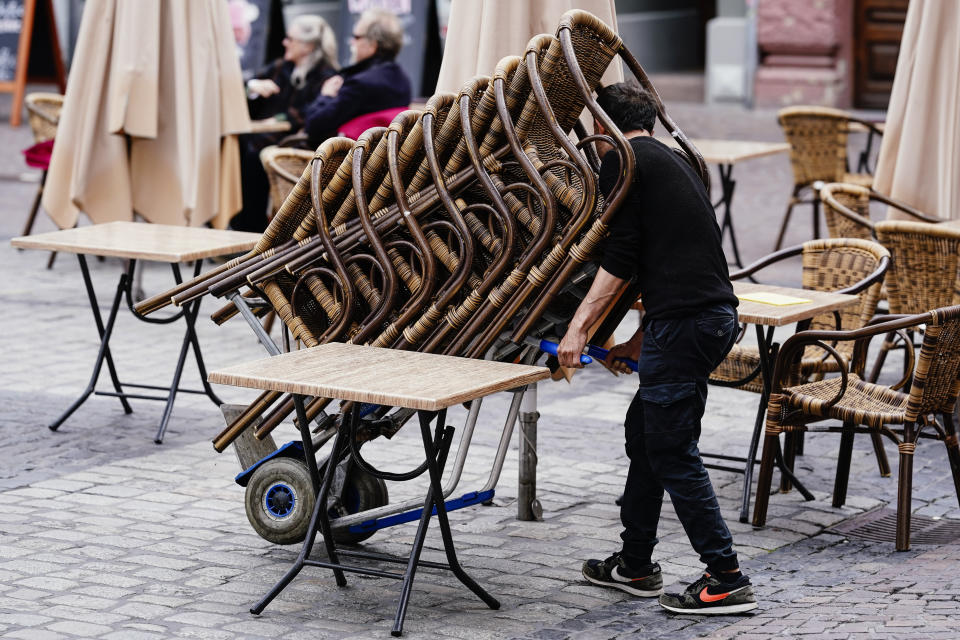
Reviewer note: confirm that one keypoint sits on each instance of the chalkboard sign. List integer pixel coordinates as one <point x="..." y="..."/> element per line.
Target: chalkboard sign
<point x="19" y="22"/>
<point x="11" y="25"/>
<point x="421" y="36"/>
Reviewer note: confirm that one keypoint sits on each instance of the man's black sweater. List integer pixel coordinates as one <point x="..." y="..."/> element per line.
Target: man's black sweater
<point x="665" y="233"/>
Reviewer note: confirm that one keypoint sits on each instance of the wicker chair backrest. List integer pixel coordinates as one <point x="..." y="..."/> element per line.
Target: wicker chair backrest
<point x="846" y="209"/>
<point x="832" y="264"/>
<point x="936" y="379"/>
<point x="283" y="166"/>
<point x="926" y="259"/>
<point x="43" y="113"/>
<point x="818" y="143"/>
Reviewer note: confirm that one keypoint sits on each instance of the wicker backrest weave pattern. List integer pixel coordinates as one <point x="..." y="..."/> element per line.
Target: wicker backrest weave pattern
<point x="936" y="379"/>
<point x="818" y="143"/>
<point x="837" y="263"/>
<point x="846" y="209"/>
<point x="926" y="259"/>
<point x="43" y="113"/>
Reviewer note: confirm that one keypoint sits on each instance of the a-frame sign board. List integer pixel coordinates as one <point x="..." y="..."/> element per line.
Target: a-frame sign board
<point x="20" y="22"/>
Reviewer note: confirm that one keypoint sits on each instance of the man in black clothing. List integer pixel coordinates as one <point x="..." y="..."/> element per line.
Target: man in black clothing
<point x="665" y="235"/>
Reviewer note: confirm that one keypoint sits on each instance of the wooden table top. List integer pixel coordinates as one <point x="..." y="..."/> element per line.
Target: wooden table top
<point x="777" y="315"/>
<point x="732" y="151"/>
<point x="381" y="376"/>
<point x="142" y="241"/>
<point x="269" y="125"/>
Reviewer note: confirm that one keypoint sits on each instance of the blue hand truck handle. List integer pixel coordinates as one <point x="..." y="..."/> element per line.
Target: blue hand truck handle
<point x="548" y="346"/>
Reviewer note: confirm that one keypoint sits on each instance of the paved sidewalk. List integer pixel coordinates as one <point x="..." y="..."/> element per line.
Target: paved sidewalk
<point x="105" y="535"/>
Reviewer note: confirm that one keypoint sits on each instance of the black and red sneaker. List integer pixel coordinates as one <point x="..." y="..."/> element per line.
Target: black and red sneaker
<point x="645" y="581"/>
<point x="710" y="596"/>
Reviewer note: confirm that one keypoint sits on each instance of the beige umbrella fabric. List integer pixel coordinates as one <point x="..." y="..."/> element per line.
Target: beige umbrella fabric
<point x="482" y="32"/>
<point x="919" y="160"/>
<point x="155" y="90"/>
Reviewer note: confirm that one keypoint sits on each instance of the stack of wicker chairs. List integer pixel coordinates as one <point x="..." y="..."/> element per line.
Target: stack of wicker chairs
<point x="463" y="229"/>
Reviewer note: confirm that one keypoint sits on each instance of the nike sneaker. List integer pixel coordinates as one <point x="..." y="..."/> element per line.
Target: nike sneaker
<point x="710" y="596"/>
<point x="613" y="572"/>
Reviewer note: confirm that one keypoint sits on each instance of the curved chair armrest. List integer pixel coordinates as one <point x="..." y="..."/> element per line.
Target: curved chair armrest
<point x="826" y="196"/>
<point x="875" y="277"/>
<point x="795" y="344"/>
<point x="766" y="261"/>
<point x="905" y="208"/>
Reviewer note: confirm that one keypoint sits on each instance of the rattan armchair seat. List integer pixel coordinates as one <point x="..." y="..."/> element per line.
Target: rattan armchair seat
<point x="862" y="402"/>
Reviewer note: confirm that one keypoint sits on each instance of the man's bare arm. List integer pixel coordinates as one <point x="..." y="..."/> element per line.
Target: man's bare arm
<point x="604" y="288"/>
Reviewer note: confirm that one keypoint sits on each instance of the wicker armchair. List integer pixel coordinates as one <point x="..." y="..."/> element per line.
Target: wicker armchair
<point x="925" y="273"/>
<point x="818" y="153"/>
<point x="284" y="166"/>
<point x="43" y="113"/>
<point x="926" y="410"/>
<point x="846" y="209"/>
<point x="845" y="265"/>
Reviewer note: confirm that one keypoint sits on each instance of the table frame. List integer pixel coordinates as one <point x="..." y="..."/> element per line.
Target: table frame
<point x="767" y="351"/>
<point x="189" y="314"/>
<point x="436" y="447"/>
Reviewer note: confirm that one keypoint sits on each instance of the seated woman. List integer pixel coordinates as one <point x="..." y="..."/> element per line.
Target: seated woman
<point x="282" y="90"/>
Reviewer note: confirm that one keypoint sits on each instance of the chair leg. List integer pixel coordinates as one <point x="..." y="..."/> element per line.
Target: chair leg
<point x="953" y="451"/>
<point x="786" y="220"/>
<point x="765" y="479"/>
<point x="28" y="227"/>
<point x="789" y="458"/>
<point x="885" y="346"/>
<point x="843" y="465"/>
<point x="883" y="464"/>
<point x="905" y="488"/>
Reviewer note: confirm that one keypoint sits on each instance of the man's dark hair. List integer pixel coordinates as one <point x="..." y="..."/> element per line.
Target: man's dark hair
<point x="630" y="106"/>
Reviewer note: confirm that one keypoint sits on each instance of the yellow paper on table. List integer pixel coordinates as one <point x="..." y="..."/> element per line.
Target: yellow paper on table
<point x="769" y="297"/>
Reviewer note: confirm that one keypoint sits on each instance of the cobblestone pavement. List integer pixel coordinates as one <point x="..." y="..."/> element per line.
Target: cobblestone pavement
<point x="105" y="535"/>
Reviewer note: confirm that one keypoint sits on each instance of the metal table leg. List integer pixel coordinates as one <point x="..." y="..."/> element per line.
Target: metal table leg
<point x="727" y="184"/>
<point x="103" y="353"/>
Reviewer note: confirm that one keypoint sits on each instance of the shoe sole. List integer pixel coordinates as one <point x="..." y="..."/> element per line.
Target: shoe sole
<point x="647" y="593"/>
<point x="714" y="611"/>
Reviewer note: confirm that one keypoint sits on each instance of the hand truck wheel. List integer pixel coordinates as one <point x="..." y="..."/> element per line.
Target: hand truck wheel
<point x="279" y="501"/>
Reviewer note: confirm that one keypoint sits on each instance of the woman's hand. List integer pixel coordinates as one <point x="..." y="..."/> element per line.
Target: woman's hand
<point x="263" y="88"/>
<point x="331" y="87"/>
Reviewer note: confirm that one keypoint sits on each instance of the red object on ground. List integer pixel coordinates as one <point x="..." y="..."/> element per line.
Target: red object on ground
<point x="38" y="156"/>
<point x="353" y="128"/>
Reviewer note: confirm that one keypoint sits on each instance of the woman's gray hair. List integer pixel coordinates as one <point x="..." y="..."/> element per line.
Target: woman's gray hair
<point x="316" y="31"/>
<point x="385" y="29"/>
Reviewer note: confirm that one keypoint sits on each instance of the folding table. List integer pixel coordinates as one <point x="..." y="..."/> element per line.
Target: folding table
<point x="762" y="315"/>
<point x="424" y="382"/>
<point x="140" y="241"/>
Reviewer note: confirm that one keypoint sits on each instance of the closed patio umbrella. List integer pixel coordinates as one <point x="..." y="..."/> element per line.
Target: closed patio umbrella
<point x="481" y="32"/>
<point x="153" y="96"/>
<point x="919" y="160"/>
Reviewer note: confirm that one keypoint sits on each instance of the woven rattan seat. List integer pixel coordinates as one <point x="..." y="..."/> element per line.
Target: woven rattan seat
<point x="818" y="153"/>
<point x="862" y="407"/>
